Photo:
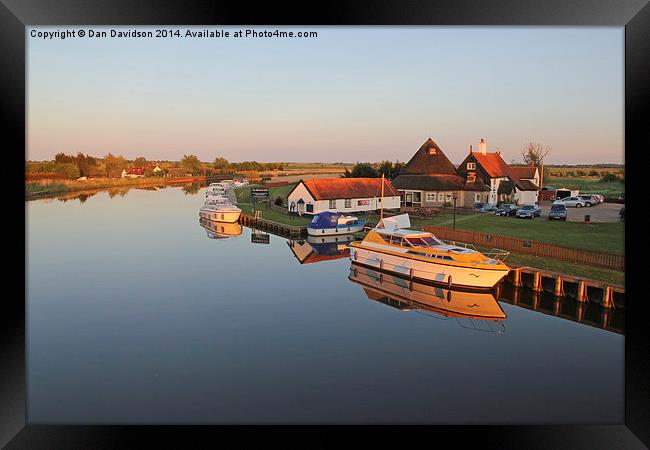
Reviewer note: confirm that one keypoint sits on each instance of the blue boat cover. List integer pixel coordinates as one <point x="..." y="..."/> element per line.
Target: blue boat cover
<point x="325" y="220"/>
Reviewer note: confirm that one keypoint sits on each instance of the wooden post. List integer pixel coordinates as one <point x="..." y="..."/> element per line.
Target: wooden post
<point x="515" y="296"/>
<point x="535" y="300"/>
<point x="607" y="298"/>
<point x="604" y="318"/>
<point x="582" y="291"/>
<point x="537" y="281"/>
<point x="580" y="312"/>
<point x="559" y="287"/>
<point x="516" y="278"/>
<point x="557" y="306"/>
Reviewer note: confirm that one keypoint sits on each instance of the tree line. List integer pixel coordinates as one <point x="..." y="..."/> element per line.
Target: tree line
<point x="389" y="169"/>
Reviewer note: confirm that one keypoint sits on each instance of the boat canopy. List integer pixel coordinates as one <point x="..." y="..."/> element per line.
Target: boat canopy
<point x="395" y="222"/>
<point x="325" y="220"/>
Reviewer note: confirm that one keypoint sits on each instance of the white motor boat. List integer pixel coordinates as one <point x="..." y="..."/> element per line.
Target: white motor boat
<point x="219" y="210"/>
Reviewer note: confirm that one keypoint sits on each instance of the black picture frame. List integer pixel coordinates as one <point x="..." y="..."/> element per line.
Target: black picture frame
<point x="634" y="15"/>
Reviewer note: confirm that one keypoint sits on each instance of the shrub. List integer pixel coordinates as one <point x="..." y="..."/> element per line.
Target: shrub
<point x="611" y="178"/>
<point x="278" y="201"/>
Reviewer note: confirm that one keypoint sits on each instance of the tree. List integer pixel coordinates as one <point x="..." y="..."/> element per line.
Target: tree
<point x="62" y="158"/>
<point x="114" y="165"/>
<point x="191" y="163"/>
<point x="140" y="161"/>
<point x="220" y="163"/>
<point x="534" y="154"/>
<point x="70" y="170"/>
<point x="389" y="169"/>
<point x="364" y="170"/>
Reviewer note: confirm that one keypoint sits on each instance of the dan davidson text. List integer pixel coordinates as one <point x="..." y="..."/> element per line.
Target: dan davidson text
<point x="170" y="33"/>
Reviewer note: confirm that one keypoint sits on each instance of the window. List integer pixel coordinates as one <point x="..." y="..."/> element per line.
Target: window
<point x="431" y="196"/>
<point x="332" y="204"/>
<point x="417" y="197"/>
<point x="477" y="198"/>
<point x="471" y="177"/>
<point x="348" y="203"/>
<point x="471" y="166"/>
<point x="441" y="197"/>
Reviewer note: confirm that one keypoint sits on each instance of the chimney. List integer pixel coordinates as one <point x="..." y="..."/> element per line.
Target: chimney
<point x="470" y="149"/>
<point x="482" y="146"/>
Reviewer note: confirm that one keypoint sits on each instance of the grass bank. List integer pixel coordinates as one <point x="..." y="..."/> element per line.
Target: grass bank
<point x="607" y="237"/>
<point x="54" y="187"/>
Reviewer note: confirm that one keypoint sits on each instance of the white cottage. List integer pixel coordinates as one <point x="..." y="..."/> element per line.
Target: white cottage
<point x="345" y="195"/>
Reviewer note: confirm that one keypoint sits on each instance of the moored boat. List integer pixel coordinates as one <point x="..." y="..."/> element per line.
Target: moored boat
<point x="421" y="256"/>
<point x="219" y="210"/>
<point x="334" y="223"/>
<point x="410" y="295"/>
<point x="220" y="230"/>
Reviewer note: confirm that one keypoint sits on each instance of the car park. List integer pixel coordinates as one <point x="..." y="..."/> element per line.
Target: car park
<point x="589" y="199"/>
<point x="528" y="212"/>
<point x="557" y="212"/>
<point x="576" y="202"/>
<point x="506" y="209"/>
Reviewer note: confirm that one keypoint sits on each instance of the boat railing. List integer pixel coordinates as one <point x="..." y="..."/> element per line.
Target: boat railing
<point x="462" y="244"/>
<point x="498" y="254"/>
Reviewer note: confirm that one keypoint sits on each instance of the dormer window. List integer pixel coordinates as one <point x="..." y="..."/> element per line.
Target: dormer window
<point x="471" y="177"/>
<point x="471" y="166"/>
<point x="432" y="151"/>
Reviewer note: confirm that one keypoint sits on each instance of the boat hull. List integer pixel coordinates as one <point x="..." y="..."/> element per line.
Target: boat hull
<point x="334" y="231"/>
<point x="468" y="278"/>
<point x="220" y="216"/>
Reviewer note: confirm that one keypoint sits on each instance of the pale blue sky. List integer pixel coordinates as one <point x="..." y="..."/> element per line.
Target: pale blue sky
<point x="351" y="94"/>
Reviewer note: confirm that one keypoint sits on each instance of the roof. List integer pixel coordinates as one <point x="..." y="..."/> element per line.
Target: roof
<point x="505" y="187"/>
<point x="336" y="188"/>
<point x="136" y="171"/>
<point x="477" y="185"/>
<point x="523" y="171"/>
<point x="526" y="185"/>
<point x="429" y="182"/>
<point x="429" y="159"/>
<point x="493" y="164"/>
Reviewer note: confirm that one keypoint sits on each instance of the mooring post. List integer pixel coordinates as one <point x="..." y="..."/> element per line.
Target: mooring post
<point x="557" y="306"/>
<point x="516" y="278"/>
<point x="604" y="318"/>
<point x="515" y="296"/>
<point x="582" y="291"/>
<point x="607" y="298"/>
<point x="535" y="300"/>
<point x="559" y="287"/>
<point x="580" y="312"/>
<point x="537" y="281"/>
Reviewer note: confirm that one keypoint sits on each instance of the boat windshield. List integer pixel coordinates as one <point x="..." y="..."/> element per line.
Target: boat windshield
<point x="423" y="241"/>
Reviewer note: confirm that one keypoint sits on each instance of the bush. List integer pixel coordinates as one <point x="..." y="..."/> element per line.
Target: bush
<point x="447" y="205"/>
<point x="69" y="170"/>
<point x="278" y="201"/>
<point x="611" y="178"/>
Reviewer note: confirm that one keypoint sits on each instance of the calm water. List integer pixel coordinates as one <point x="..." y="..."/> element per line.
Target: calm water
<point x="136" y="316"/>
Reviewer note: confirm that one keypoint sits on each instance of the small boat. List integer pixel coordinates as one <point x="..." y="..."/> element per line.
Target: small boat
<point x="421" y="256"/>
<point x="215" y="190"/>
<point x="412" y="296"/>
<point x="306" y="252"/>
<point x="220" y="230"/>
<point x="219" y="210"/>
<point x="334" y="223"/>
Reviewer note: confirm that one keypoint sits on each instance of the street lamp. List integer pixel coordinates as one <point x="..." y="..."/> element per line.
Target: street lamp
<point x="455" y="196"/>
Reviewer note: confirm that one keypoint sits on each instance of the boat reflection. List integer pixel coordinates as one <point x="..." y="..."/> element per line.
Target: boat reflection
<point x="220" y="230"/>
<point x="317" y="249"/>
<point x="477" y="310"/>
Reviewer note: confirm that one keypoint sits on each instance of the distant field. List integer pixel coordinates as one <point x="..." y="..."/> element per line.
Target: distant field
<point x="318" y="166"/>
<point x="587" y="185"/>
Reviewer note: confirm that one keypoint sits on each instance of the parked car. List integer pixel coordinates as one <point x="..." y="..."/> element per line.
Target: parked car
<point x="571" y="201"/>
<point x="529" y="212"/>
<point x="601" y="199"/>
<point x="621" y="198"/>
<point x="589" y="199"/>
<point x="488" y="207"/>
<point x="506" y="209"/>
<point x="557" y="211"/>
<point x="621" y="213"/>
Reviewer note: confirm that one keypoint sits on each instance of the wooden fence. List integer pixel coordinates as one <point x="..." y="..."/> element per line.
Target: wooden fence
<point x="542" y="249"/>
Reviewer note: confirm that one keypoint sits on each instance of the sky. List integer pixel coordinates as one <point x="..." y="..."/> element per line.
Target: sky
<point x="350" y="94"/>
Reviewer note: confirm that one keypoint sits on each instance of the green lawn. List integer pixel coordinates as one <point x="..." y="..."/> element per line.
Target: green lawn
<point x="276" y="216"/>
<point x="607" y="237"/>
<point x="244" y="194"/>
<point x="587" y="185"/>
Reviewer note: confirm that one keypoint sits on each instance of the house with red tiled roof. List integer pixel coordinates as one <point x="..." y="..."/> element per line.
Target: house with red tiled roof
<point x="429" y="179"/>
<point x="134" y="172"/>
<point x="345" y="195"/>
<point x="506" y="183"/>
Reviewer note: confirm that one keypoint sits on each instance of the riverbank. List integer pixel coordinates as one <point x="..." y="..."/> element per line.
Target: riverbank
<point x="48" y="188"/>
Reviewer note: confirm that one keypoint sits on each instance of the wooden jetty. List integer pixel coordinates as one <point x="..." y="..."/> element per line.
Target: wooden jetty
<point x="608" y="295"/>
<point x="280" y="229"/>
